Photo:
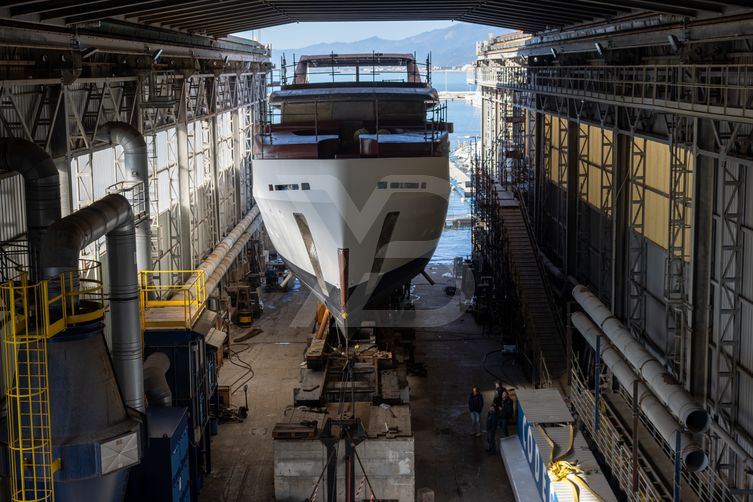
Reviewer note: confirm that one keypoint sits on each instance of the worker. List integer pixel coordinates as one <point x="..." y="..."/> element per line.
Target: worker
<point x="491" y="429"/>
<point x="476" y="406"/>
<point x="505" y="407"/>
<point x="498" y="390"/>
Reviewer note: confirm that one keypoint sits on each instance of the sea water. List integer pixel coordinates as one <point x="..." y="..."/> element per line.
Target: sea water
<point x="467" y="121"/>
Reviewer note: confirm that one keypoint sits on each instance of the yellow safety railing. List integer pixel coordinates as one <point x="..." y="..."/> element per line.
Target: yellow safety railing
<point x="24" y="317"/>
<point x="84" y="293"/>
<point x="165" y="305"/>
<point x="75" y="297"/>
<point x="29" y="315"/>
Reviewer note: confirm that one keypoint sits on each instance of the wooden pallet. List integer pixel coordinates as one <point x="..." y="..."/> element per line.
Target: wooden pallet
<point x="293" y="431"/>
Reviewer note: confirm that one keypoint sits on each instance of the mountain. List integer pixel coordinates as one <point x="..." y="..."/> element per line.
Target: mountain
<point x="451" y="46"/>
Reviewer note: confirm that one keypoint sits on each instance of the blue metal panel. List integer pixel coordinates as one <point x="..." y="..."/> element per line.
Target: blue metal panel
<point x="188" y="378"/>
<point x="166" y="472"/>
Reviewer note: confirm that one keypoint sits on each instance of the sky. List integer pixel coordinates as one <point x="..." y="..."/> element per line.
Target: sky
<point x="297" y="35"/>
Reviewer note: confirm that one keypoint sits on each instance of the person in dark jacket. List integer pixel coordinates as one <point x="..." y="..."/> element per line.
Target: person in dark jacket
<point x="475" y="406"/>
<point x="505" y="407"/>
<point x="491" y="429"/>
<point x="498" y="389"/>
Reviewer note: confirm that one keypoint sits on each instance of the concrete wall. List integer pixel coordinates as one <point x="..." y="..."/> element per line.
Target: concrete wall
<point x="389" y="463"/>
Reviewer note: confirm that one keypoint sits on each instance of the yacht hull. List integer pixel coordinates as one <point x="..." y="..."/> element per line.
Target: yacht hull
<point x="353" y="230"/>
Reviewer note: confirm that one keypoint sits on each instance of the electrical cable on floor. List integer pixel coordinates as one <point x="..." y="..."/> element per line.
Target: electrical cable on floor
<point x="502" y="380"/>
<point x="236" y="360"/>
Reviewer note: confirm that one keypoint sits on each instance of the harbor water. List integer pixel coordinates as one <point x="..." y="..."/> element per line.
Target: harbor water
<point x="466" y="119"/>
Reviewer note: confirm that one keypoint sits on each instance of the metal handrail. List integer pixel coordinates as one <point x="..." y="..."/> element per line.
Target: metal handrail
<point x="707" y="484"/>
<point x="616" y="449"/>
<point x="186" y="301"/>
<point x="376" y="69"/>
<point x="434" y="124"/>
<point x="719" y="90"/>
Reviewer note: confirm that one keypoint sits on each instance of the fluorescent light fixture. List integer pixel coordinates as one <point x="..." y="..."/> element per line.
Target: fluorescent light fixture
<point x="674" y="42"/>
<point x="87" y="53"/>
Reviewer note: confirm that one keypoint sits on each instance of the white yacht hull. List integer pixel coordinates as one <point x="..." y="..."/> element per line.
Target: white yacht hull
<point x="388" y="213"/>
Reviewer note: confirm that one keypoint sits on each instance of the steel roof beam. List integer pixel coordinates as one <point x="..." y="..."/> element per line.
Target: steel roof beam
<point x="242" y="24"/>
<point x="227" y="10"/>
<point x="188" y="21"/>
<point x="213" y="6"/>
<point x="682" y="9"/>
<point x="89" y="10"/>
<point x="543" y="12"/>
<point x="45" y="6"/>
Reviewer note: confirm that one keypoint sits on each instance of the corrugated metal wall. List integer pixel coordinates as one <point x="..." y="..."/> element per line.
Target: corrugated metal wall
<point x="12" y="207"/>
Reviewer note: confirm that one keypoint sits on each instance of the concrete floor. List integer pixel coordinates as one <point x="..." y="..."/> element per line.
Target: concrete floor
<point x="448" y="459"/>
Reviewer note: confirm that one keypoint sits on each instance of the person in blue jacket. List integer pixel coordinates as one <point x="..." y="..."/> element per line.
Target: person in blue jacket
<point x="475" y="406"/>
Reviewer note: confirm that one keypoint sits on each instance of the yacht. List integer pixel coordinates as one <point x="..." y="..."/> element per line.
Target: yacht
<point x="350" y="174"/>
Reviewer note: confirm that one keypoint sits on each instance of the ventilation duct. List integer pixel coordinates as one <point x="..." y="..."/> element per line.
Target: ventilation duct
<point x="218" y="262"/>
<point x="158" y="391"/>
<point x="42" y="184"/>
<point x="693" y="456"/>
<point x="136" y="170"/>
<point x="661" y="383"/>
<point x="110" y="216"/>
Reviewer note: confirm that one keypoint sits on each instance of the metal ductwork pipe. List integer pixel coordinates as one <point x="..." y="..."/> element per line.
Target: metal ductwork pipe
<point x="42" y="190"/>
<point x="157" y="389"/>
<point x="110" y="216"/>
<point x="670" y="392"/>
<point x="136" y="170"/>
<point x="222" y="267"/>
<point x="693" y="456"/>
<point x="228" y="246"/>
<point x="223" y="248"/>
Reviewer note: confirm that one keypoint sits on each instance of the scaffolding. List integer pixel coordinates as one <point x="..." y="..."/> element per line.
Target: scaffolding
<point x="636" y="236"/>
<point x="606" y="181"/>
<point x="678" y="245"/>
<point x="512" y="284"/>
<point x="728" y="343"/>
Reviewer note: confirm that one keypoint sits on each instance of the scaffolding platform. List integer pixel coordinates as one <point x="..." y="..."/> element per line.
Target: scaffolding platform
<point x="165" y="305"/>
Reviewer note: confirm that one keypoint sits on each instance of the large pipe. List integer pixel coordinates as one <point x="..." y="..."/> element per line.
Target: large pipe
<point x="136" y="162"/>
<point x="680" y="402"/>
<point x="228" y="246"/>
<point x="223" y="248"/>
<point x="223" y="266"/>
<point x="157" y="389"/>
<point x="42" y="183"/>
<point x="693" y="456"/>
<point x="110" y="216"/>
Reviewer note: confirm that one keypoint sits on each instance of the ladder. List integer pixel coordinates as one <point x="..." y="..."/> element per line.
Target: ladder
<point x="25" y="328"/>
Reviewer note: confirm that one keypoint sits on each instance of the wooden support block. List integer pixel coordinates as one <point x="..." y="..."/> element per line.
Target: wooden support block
<point x="293" y="431"/>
